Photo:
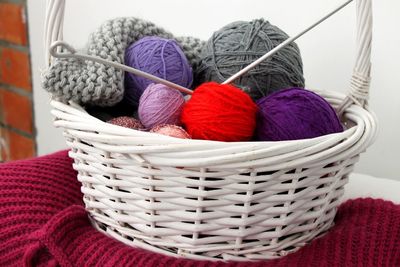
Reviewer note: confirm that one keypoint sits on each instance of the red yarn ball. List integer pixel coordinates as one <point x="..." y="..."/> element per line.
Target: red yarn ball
<point x="219" y="112"/>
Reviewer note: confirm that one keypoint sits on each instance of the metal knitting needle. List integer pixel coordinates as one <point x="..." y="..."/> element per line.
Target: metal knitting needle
<point x="74" y="54"/>
<point x="282" y="45"/>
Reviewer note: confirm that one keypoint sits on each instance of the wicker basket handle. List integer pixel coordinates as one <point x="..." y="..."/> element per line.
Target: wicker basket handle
<point x="360" y="81"/>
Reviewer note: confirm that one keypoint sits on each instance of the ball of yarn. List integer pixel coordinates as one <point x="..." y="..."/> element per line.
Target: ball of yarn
<point x="160" y="104"/>
<point x="127" y="122"/>
<point x="238" y="44"/>
<point x="171" y="130"/>
<point x="293" y="114"/>
<point x="161" y="57"/>
<point x="219" y="112"/>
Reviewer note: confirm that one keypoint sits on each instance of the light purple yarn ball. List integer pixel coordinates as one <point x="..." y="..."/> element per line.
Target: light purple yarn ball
<point x="160" y="104"/>
<point x="161" y="57"/>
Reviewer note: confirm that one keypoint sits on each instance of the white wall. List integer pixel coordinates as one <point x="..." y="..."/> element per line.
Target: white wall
<point x="328" y="52"/>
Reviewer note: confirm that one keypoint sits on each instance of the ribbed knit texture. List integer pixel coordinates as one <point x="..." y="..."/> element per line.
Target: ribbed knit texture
<point x="31" y="193"/>
<point x="43" y="223"/>
<point x="88" y="82"/>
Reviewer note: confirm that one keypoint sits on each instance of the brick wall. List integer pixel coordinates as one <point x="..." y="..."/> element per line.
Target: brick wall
<point x="16" y="109"/>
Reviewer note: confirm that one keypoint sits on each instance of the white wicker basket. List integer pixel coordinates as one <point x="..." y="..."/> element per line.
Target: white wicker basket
<point x="217" y="200"/>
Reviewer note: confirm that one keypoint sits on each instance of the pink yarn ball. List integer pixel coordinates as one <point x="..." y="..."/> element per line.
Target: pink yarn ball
<point x="160" y="104"/>
<point x="127" y="122"/>
<point x="171" y="130"/>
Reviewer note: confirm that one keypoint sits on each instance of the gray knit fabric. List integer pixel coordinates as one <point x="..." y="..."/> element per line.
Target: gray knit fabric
<point x="87" y="82"/>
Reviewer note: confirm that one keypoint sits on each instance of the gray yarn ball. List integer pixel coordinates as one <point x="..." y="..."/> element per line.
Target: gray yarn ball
<point x="238" y="44"/>
<point x="91" y="83"/>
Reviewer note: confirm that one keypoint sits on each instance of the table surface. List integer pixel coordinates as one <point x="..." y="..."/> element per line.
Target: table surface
<point x="362" y="185"/>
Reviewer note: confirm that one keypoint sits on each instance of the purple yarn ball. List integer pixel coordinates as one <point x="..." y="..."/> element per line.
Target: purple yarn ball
<point x="161" y="57"/>
<point x="293" y="114"/>
<point x="160" y="104"/>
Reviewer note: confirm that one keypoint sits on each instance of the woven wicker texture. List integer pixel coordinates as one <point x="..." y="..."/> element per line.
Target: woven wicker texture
<point x="219" y="200"/>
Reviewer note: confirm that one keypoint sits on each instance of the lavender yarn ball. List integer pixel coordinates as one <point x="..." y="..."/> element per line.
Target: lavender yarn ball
<point x="160" y="104"/>
<point x="293" y="114"/>
<point x="161" y="57"/>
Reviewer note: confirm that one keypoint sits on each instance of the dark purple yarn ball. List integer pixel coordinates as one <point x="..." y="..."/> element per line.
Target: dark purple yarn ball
<point x="293" y="114"/>
<point x="161" y="57"/>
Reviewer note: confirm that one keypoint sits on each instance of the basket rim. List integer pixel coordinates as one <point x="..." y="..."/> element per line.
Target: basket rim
<point x="56" y="104"/>
<point x="150" y="148"/>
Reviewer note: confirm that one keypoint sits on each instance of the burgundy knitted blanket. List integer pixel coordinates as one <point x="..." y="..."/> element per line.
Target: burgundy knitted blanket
<point x="43" y="223"/>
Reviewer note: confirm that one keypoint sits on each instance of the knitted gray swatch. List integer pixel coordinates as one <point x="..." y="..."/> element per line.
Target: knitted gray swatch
<point x="88" y="82"/>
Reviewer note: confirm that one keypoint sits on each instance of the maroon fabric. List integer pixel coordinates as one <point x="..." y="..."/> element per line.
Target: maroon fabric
<point x="43" y="223"/>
